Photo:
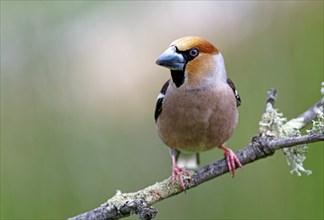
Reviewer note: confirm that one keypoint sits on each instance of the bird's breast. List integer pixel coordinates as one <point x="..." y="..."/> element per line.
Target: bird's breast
<point x="197" y="120"/>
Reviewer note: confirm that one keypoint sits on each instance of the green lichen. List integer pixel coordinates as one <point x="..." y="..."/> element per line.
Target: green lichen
<point x="273" y="124"/>
<point x="318" y="124"/>
<point x="295" y="157"/>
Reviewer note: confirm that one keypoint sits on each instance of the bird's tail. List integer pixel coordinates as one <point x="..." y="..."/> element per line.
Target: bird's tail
<point x="187" y="160"/>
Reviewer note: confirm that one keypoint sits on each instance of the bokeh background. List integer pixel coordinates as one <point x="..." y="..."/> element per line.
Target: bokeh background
<point x="78" y="90"/>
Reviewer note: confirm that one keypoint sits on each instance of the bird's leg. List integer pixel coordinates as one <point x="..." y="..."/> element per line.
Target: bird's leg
<point x="176" y="170"/>
<point x="231" y="159"/>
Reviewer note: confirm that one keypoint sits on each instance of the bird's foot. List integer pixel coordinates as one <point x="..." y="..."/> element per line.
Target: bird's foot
<point x="231" y="159"/>
<point x="177" y="172"/>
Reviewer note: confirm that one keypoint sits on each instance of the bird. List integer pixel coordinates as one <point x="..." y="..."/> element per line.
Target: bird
<point x="196" y="109"/>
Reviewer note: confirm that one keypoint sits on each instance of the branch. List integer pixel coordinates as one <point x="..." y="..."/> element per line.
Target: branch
<point x="139" y="203"/>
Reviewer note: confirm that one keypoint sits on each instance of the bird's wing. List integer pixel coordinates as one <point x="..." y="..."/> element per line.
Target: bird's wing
<point x="237" y="96"/>
<point x="159" y="101"/>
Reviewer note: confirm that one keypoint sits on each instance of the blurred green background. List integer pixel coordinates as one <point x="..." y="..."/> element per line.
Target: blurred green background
<point x="78" y="90"/>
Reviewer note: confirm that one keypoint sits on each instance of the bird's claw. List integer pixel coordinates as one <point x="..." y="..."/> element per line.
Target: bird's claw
<point x="231" y="159"/>
<point x="177" y="172"/>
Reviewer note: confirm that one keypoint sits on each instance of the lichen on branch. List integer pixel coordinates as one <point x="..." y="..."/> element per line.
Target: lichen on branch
<point x="274" y="125"/>
<point x="318" y="124"/>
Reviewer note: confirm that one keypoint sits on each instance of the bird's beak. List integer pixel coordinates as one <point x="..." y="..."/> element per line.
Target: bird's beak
<point x="171" y="59"/>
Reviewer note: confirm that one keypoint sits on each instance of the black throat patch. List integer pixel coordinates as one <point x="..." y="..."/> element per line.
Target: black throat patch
<point x="178" y="77"/>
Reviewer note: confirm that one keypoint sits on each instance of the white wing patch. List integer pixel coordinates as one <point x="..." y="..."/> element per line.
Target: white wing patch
<point x="160" y="96"/>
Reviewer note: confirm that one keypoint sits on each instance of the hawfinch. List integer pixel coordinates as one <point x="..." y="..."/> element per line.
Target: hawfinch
<point x="196" y="109"/>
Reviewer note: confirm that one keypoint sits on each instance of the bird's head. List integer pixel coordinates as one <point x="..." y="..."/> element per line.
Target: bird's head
<point x="193" y="60"/>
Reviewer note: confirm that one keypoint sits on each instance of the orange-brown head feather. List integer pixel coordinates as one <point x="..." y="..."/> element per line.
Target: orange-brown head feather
<point x="186" y="43"/>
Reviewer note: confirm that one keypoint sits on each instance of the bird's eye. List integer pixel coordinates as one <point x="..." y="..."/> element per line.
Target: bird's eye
<point x="194" y="52"/>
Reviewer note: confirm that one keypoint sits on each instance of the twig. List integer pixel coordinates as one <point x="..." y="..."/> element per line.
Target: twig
<point x="272" y="96"/>
<point x="125" y="204"/>
<point x="309" y="115"/>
